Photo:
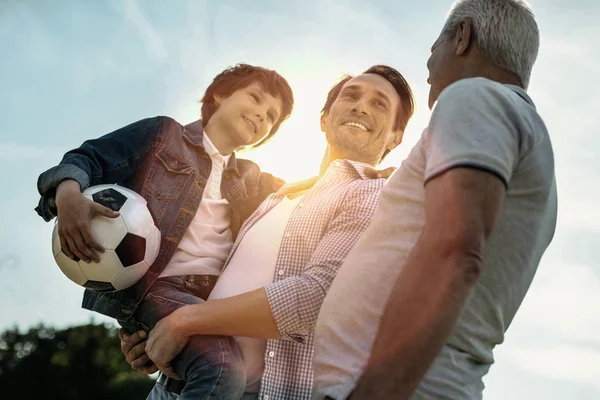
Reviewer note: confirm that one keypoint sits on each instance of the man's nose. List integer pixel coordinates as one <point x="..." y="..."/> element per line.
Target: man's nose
<point x="359" y="107"/>
<point x="260" y="115"/>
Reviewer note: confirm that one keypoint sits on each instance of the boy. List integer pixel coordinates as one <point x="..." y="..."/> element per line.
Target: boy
<point x="197" y="191"/>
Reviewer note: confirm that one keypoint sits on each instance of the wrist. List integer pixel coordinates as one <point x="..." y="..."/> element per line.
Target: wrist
<point x="66" y="187"/>
<point x="186" y="321"/>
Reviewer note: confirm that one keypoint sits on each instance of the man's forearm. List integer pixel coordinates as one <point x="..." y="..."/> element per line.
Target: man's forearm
<point x="420" y="314"/>
<point x="248" y="314"/>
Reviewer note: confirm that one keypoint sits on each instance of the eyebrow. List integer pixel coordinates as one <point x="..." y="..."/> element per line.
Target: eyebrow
<point x="378" y="93"/>
<point x="382" y="96"/>
<point x="351" y="88"/>
<point x="262" y="96"/>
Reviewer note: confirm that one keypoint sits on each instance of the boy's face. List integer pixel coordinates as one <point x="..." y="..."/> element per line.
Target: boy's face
<point x="248" y="115"/>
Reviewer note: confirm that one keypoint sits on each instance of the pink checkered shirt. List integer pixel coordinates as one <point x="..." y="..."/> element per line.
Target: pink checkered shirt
<point x="320" y="232"/>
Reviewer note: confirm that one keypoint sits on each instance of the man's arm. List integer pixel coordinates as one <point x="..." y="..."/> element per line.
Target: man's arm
<point x="288" y="308"/>
<point x="285" y="309"/>
<point x="248" y="314"/>
<point x="461" y="208"/>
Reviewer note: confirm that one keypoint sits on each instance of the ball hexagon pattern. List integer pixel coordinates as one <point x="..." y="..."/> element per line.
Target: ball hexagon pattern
<point x="131" y="240"/>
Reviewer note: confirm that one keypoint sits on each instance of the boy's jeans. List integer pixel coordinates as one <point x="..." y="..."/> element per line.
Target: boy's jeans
<point x="212" y="366"/>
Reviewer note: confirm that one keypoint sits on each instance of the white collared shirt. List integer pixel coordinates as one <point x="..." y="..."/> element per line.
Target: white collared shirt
<point x="249" y="269"/>
<point x="208" y="240"/>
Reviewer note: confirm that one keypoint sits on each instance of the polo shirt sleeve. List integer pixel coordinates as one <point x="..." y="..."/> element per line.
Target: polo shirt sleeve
<point x="474" y="124"/>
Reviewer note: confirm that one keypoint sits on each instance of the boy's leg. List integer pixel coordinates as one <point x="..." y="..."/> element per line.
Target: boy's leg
<point x="160" y="393"/>
<point x="213" y="369"/>
<point x="211" y="365"/>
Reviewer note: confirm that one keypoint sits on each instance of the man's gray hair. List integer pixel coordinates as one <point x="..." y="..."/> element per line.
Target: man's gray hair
<point x="505" y="31"/>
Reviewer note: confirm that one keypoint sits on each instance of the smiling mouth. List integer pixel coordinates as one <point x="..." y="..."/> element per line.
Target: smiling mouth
<point x="249" y="122"/>
<point x="356" y="125"/>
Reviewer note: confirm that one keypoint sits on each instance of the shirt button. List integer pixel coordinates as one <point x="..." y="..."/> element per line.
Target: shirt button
<point x="266" y="397"/>
<point x="288" y="235"/>
<point x="301" y="205"/>
<point x="280" y="272"/>
<point x="337" y="163"/>
<point x="271" y="354"/>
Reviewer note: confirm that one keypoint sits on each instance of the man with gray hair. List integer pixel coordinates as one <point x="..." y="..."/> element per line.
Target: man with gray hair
<point x="432" y="285"/>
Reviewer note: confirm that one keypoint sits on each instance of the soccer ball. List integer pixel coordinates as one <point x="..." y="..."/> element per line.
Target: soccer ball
<point x="131" y="241"/>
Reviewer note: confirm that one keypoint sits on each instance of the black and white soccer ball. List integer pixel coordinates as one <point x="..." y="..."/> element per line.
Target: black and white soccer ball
<point x="131" y="240"/>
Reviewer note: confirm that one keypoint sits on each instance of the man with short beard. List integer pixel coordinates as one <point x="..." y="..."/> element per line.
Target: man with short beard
<point x="289" y="251"/>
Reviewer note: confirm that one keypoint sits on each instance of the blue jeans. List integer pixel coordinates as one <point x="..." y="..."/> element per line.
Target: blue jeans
<point x="212" y="366"/>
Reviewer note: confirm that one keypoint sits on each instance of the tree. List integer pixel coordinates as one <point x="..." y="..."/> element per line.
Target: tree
<point x="83" y="362"/>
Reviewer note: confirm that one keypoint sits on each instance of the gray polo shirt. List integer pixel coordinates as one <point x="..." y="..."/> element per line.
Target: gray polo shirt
<point x="477" y="123"/>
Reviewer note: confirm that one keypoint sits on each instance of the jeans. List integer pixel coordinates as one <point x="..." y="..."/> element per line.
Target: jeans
<point x="212" y="366"/>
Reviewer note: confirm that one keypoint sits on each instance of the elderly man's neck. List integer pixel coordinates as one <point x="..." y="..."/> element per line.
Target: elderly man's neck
<point x="484" y="69"/>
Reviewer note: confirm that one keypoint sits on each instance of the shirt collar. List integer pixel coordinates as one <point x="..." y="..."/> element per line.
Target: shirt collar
<point x="337" y="165"/>
<point x="356" y="166"/>
<point x="522" y="93"/>
<point x="194" y="133"/>
<point x="212" y="151"/>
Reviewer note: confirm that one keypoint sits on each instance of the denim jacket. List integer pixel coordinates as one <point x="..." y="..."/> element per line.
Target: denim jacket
<point x="166" y="164"/>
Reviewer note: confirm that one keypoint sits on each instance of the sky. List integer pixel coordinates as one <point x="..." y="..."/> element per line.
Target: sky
<point x="75" y="70"/>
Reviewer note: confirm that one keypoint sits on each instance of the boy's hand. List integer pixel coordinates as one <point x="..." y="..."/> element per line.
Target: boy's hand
<point x="133" y="346"/>
<point x="74" y="215"/>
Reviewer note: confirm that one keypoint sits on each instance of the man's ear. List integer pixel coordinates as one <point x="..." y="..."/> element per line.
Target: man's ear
<point x="395" y="139"/>
<point x="218" y="99"/>
<point x="323" y="122"/>
<point x="462" y="38"/>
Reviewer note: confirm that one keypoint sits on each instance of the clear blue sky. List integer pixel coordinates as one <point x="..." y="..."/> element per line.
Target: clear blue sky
<point x="73" y="70"/>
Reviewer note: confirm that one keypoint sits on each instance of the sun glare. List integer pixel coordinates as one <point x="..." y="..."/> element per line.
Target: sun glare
<point x="296" y="151"/>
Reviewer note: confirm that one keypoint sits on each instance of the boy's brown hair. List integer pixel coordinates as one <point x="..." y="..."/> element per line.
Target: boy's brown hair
<point x="241" y="76"/>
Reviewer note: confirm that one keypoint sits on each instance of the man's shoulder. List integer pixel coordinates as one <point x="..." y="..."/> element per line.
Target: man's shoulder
<point x="366" y="180"/>
<point x="362" y="189"/>
<point x="483" y="100"/>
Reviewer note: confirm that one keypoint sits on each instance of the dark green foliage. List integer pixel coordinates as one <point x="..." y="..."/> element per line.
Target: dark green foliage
<point x="83" y="362"/>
